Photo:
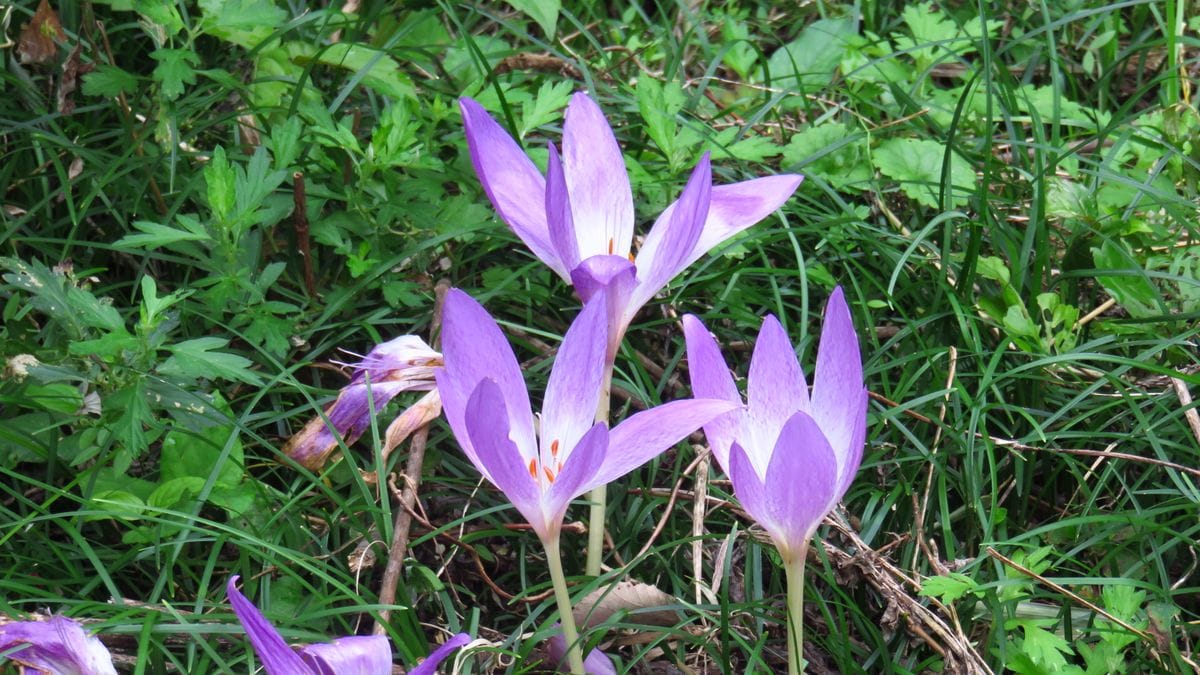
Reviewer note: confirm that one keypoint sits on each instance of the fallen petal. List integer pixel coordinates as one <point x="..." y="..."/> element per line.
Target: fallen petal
<point x="59" y="646"/>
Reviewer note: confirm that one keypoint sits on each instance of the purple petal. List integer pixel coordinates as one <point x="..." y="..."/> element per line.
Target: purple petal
<point x="711" y="379"/>
<point x="474" y="350"/>
<point x="404" y="359"/>
<point x="59" y="645"/>
<point x="848" y="464"/>
<point x="645" y="435"/>
<point x="617" y="278"/>
<point x="800" y="484"/>
<point x="355" y="655"/>
<point x="276" y="656"/>
<point x="748" y="486"/>
<point x="498" y="458"/>
<point x="558" y="213"/>
<point x="349" y="415"/>
<point x="838" y="380"/>
<point x="595" y="172"/>
<point x="430" y="664"/>
<point x="595" y="663"/>
<point x="669" y="243"/>
<point x="737" y="206"/>
<point x="775" y="389"/>
<point x="512" y="182"/>
<point x="573" y="392"/>
<point x="577" y="472"/>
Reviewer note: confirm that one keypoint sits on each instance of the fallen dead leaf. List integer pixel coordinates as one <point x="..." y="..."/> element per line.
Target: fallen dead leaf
<point x="40" y="37"/>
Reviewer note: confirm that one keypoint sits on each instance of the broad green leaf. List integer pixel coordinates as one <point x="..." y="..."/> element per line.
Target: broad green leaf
<point x="174" y="70"/>
<point x="116" y="504"/>
<point x="56" y="397"/>
<point x="1133" y="290"/>
<point x="917" y="165"/>
<point x="161" y="12"/>
<point x="378" y="70"/>
<point x="108" y="81"/>
<point x="809" y="62"/>
<point x="747" y="148"/>
<point x="544" y="12"/>
<point x="175" y="490"/>
<point x="243" y="22"/>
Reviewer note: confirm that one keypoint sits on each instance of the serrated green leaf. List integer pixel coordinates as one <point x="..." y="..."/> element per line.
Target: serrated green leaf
<point x="378" y="70"/>
<point x="949" y="588"/>
<point x="197" y="358"/>
<point x="174" y="70"/>
<point x="221" y="180"/>
<point x="161" y="12"/>
<point x="917" y="165"/>
<point x="544" y="12"/>
<point x="547" y="106"/>
<point x="108" y="81"/>
<point x="243" y="22"/>
<point x="833" y="152"/>
<point x="154" y="235"/>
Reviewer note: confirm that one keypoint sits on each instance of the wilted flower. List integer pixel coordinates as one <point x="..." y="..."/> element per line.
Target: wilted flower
<point x="790" y="456"/>
<point x="405" y="363"/>
<point x="58" y="646"/>
<point x="354" y="655"/>
<point x="542" y="469"/>
<point x="579" y="218"/>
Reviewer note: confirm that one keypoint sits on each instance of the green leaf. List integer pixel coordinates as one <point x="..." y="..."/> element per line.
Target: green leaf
<point x="833" y="152"/>
<point x="198" y="359"/>
<point x="108" y="81"/>
<point x="174" y="70"/>
<point x="547" y="106"/>
<point x="658" y="105"/>
<point x="154" y="235"/>
<point x="243" y="22"/>
<point x="917" y="165"/>
<point x="221" y="180"/>
<point x="544" y="12"/>
<point x="809" y="62"/>
<point x="1043" y="647"/>
<point x="162" y="13"/>
<point x="56" y="397"/>
<point x="1133" y="290"/>
<point x="949" y="588"/>
<point x="747" y="149"/>
<point x="378" y="70"/>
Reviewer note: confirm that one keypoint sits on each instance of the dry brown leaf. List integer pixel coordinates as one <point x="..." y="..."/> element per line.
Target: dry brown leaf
<point x="72" y="68"/>
<point x="414" y="417"/>
<point x="40" y="37"/>
<point x="598" y="606"/>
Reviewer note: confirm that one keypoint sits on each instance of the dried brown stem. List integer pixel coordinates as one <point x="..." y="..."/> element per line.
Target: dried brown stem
<point x="300" y="223"/>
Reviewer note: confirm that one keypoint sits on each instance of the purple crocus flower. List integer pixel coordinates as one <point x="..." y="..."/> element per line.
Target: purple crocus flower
<point x="790" y="456"/>
<point x="354" y="655"/>
<point x="405" y="363"/>
<point x="542" y="466"/>
<point x="59" y="646"/>
<point x="595" y="663"/>
<point x="579" y="217"/>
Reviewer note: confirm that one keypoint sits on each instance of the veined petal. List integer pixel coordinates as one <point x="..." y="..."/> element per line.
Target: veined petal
<point x="737" y="206"/>
<point x="498" y="458"/>
<point x="430" y="664"/>
<point x="711" y="379"/>
<point x="849" y="463"/>
<point x="669" y="243"/>
<point x="573" y="392"/>
<point x="511" y="181"/>
<point x="403" y="359"/>
<point x="748" y="486"/>
<point x="775" y="389"/>
<point x="355" y="655"/>
<point x="576" y="475"/>
<point x="349" y="415"/>
<point x="647" y="434"/>
<point x="59" y="645"/>
<point x="558" y="213"/>
<point x="595" y="663"/>
<point x="617" y="278"/>
<point x="601" y="199"/>
<point x="475" y="349"/>
<point x="838" y="380"/>
<point x="276" y="656"/>
<point x="800" y="484"/>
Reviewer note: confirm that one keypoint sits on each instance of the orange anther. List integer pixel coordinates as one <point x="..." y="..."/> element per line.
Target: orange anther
<point x="533" y="468"/>
<point x="549" y="474"/>
<point x="631" y="257"/>
<point x="610" y="246"/>
<point x="554" y="448"/>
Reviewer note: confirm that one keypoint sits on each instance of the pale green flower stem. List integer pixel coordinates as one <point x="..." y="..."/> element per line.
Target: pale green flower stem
<point x="565" y="616"/>
<point x="599" y="496"/>
<point x="795" y="611"/>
